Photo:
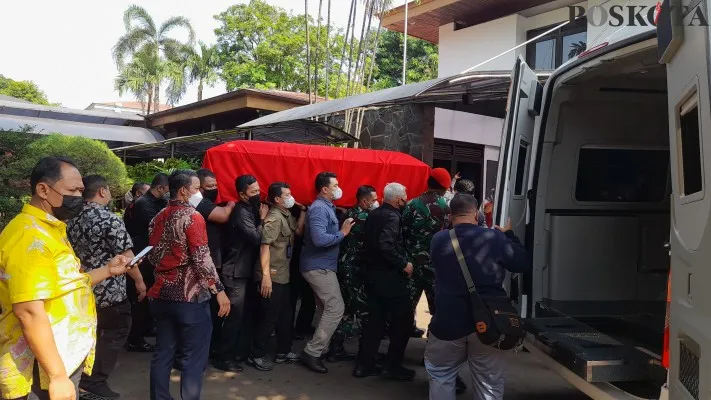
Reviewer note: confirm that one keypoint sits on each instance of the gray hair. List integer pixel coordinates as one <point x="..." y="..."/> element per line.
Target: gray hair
<point x="393" y="191"/>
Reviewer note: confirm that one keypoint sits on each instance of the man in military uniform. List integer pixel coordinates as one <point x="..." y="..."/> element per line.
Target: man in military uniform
<point x="421" y="219"/>
<point x="350" y="275"/>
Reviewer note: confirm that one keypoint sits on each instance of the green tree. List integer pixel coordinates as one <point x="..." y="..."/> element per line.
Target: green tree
<point x="25" y="90"/>
<point x="203" y="67"/>
<point x="262" y="46"/>
<point x="422" y="60"/>
<point x="146" y="171"/>
<point x="144" y="36"/>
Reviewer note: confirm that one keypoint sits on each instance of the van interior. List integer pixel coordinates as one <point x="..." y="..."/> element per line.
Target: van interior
<point x="600" y="270"/>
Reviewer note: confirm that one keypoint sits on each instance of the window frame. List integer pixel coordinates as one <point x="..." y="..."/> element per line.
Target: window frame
<point x="623" y="204"/>
<point x="579" y="26"/>
<point x="689" y="101"/>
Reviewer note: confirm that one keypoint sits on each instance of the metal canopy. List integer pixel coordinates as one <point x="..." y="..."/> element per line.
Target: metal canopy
<point x="482" y="86"/>
<point x="25" y="109"/>
<point x="107" y="133"/>
<point x="307" y="132"/>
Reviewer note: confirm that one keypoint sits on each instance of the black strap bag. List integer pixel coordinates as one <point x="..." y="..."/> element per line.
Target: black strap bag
<point x="498" y="323"/>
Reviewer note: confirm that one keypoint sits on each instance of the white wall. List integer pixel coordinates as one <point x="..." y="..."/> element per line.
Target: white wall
<point x="466" y="127"/>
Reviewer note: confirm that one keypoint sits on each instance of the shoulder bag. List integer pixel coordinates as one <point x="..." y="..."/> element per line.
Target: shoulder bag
<point x="498" y="323"/>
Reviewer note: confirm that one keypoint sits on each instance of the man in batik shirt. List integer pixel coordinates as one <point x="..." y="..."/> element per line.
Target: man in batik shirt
<point x="350" y="275"/>
<point x="97" y="235"/>
<point x="186" y="280"/>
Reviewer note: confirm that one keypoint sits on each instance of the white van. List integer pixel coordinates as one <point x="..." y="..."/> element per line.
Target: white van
<point x="601" y="170"/>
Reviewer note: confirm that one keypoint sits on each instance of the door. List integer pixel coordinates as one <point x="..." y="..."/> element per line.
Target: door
<point x="684" y="48"/>
<point x="523" y="106"/>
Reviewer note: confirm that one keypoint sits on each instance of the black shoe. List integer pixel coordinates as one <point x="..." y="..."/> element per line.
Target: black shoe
<point x="417" y="333"/>
<point x="140" y="347"/>
<point x="228" y="366"/>
<point x="364" y="372"/>
<point x="460" y="386"/>
<point x="99" y="392"/>
<point x="398" y="374"/>
<point x="313" y="363"/>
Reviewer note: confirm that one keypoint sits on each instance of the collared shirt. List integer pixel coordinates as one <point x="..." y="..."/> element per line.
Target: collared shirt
<point x="278" y="233"/>
<point x="37" y="263"/>
<point x="321" y="237"/>
<point x="183" y="267"/>
<point x="97" y="235"/>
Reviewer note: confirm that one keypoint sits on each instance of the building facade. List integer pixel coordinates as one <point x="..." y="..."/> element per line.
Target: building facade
<point x="471" y="32"/>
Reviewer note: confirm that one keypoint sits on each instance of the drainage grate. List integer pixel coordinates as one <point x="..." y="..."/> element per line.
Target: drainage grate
<point x="689" y="369"/>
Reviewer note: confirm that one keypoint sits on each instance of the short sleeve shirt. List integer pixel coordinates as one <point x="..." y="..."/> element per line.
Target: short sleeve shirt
<point x="278" y="233"/>
<point x="98" y="235"/>
<point x="37" y="263"/>
<point x="214" y="240"/>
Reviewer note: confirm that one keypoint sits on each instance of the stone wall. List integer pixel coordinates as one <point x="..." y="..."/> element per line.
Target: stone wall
<point x="406" y="128"/>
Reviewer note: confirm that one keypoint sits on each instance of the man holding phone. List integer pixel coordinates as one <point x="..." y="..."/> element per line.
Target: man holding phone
<point x="97" y="235"/>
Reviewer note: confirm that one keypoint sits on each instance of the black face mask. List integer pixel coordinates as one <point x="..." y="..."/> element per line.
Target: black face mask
<point x="255" y="201"/>
<point x="210" y="194"/>
<point x="70" y="208"/>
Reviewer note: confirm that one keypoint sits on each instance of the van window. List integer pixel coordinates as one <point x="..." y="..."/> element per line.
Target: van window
<point x="615" y="175"/>
<point x="690" y="145"/>
<point x="521" y="167"/>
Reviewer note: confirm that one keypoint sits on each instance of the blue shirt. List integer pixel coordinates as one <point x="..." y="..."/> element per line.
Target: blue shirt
<point x="488" y="253"/>
<point x="322" y="237"/>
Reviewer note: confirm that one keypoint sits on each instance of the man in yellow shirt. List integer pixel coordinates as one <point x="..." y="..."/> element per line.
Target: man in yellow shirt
<point x="47" y="308"/>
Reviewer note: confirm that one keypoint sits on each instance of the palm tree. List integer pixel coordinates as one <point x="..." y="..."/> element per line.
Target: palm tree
<point x="142" y="34"/>
<point x="202" y="67"/>
<point x="576" y="49"/>
<point x="140" y="77"/>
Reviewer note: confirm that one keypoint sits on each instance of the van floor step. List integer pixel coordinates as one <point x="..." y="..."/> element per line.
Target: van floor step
<point x="592" y="355"/>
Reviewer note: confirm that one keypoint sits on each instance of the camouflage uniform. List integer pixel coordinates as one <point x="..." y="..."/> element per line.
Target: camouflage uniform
<point x="350" y="276"/>
<point x="422" y="218"/>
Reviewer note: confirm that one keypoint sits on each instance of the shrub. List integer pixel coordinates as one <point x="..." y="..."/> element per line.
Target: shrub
<point x="145" y="171"/>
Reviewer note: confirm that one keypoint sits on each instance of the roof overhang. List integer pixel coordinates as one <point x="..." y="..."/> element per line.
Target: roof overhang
<point x="25" y="109"/>
<point x="426" y="16"/>
<point x="472" y="89"/>
<point x="261" y="100"/>
<point x="306" y="132"/>
<point x="114" y="134"/>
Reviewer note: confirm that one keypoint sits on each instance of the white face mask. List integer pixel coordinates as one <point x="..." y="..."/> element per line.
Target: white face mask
<point x="374" y="205"/>
<point x="289" y="202"/>
<point x="337" y="194"/>
<point x="195" y="199"/>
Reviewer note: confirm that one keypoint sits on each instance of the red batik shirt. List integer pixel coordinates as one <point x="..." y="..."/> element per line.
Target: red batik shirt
<point x="184" y="270"/>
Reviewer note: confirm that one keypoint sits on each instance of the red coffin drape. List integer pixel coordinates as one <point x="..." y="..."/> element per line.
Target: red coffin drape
<point x="299" y="164"/>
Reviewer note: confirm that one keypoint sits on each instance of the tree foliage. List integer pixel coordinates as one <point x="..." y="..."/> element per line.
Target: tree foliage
<point x="422" y="60"/>
<point x="25" y="90"/>
<point x="146" y="171"/>
<point x="262" y="46"/>
<point x="145" y="39"/>
<point x="20" y="150"/>
<point x="202" y="66"/>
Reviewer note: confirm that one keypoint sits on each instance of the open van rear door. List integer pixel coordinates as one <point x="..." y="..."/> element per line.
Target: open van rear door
<point x="524" y="102"/>
<point x="684" y="48"/>
<point x="523" y="105"/>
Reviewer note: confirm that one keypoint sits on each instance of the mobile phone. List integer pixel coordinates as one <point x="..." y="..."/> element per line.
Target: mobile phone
<point x="140" y="256"/>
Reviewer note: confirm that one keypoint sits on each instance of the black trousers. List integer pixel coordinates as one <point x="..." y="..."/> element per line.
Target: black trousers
<point x="276" y="314"/>
<point x="36" y="392"/>
<point x="141" y="318"/>
<point x="388" y="301"/>
<point x="236" y="334"/>
<point x="300" y="289"/>
<point x="113" y="325"/>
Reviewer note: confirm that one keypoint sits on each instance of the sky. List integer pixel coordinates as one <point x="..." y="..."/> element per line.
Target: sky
<point x="65" y="46"/>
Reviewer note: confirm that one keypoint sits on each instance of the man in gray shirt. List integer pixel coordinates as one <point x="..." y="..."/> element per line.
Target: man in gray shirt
<point x="319" y="261"/>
